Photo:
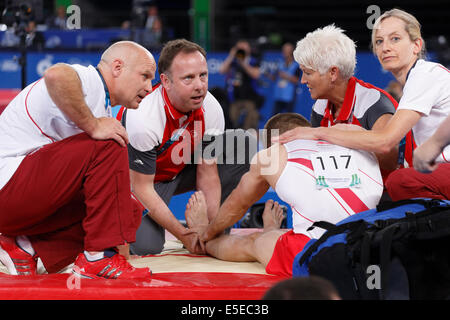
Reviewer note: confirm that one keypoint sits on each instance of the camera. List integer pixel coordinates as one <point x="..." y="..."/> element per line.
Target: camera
<point x="253" y="218"/>
<point x="241" y="54"/>
<point x="16" y="14"/>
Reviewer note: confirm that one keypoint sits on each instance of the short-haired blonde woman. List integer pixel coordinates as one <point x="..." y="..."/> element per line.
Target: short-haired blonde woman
<point x="327" y="58"/>
<point x="398" y="44"/>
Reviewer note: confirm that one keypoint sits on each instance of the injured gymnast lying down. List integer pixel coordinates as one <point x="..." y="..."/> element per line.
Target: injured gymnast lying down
<point x="288" y="169"/>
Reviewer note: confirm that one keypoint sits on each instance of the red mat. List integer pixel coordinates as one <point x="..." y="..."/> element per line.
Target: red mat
<point x="162" y="286"/>
<point x="6" y="95"/>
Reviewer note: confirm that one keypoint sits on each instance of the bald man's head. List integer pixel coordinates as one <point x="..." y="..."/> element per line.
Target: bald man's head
<point x="128" y="69"/>
<point x="124" y="50"/>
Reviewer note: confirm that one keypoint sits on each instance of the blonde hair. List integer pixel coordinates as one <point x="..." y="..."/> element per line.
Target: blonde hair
<point x="327" y="47"/>
<point x="412" y="27"/>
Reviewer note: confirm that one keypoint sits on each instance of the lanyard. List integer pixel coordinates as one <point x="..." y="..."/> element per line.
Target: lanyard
<point x="172" y="139"/>
<point x="328" y="120"/>
<point x="107" y="98"/>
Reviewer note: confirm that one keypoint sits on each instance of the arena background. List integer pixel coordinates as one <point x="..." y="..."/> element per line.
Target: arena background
<point x="215" y="24"/>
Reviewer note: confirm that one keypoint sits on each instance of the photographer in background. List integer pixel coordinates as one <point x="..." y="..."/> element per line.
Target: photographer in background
<point x="287" y="77"/>
<point x="242" y="71"/>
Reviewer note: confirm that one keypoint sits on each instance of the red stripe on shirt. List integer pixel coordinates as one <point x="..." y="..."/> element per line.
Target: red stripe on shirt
<point x="352" y="200"/>
<point x="370" y="177"/>
<point x="442" y="67"/>
<point x="302" y="215"/>
<point x="349" y="213"/>
<point x="309" y="150"/>
<point x="306" y="172"/>
<point x="32" y="120"/>
<point x="304" y="162"/>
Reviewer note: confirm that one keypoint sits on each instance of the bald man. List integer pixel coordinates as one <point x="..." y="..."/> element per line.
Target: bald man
<point x="64" y="178"/>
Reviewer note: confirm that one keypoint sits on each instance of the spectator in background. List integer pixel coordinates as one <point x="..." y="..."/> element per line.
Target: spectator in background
<point x="125" y="25"/>
<point x="58" y="21"/>
<point x="125" y="32"/>
<point x="35" y="39"/>
<point x="10" y="38"/>
<point x="287" y="77"/>
<point x="242" y="70"/>
<point x="152" y="17"/>
<point x="153" y="28"/>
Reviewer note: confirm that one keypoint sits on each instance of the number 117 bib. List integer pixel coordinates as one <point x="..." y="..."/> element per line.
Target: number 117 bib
<point x="335" y="169"/>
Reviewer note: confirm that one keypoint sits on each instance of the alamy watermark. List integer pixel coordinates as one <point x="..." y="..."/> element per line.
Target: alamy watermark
<point x="231" y="147"/>
<point x="73" y="21"/>
<point x="73" y="282"/>
<point x="375" y="13"/>
<point x="374" y="277"/>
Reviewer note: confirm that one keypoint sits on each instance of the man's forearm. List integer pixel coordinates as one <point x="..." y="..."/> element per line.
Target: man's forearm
<point x="159" y="211"/>
<point x="253" y="72"/>
<point x="250" y="189"/>
<point x="64" y="87"/>
<point x="442" y="135"/>
<point x="233" y="209"/>
<point x="225" y="67"/>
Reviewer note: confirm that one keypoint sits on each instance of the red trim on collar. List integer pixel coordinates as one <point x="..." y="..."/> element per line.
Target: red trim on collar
<point x="349" y="101"/>
<point x="347" y="107"/>
<point x="174" y="113"/>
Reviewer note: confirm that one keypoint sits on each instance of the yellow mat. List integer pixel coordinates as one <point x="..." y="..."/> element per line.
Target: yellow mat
<point x="175" y="258"/>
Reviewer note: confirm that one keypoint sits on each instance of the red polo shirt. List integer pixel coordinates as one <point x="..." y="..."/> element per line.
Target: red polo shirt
<point x="182" y="134"/>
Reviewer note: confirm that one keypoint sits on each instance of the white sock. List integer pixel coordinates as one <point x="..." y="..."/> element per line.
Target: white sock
<point x="94" y="257"/>
<point x="25" y="244"/>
